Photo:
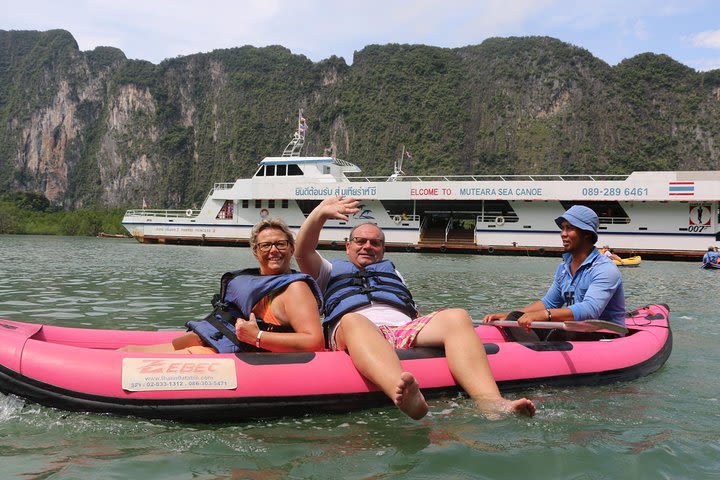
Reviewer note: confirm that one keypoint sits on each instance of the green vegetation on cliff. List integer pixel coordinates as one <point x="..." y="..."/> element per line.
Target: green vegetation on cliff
<point x="96" y="129"/>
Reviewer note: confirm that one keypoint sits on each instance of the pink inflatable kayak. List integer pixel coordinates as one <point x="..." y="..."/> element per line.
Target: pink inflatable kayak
<point x="79" y="369"/>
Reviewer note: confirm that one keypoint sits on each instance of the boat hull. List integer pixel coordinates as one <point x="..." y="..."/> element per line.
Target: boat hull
<point x="81" y="370"/>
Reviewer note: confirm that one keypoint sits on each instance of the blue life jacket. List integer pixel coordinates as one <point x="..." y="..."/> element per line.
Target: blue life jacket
<point x="240" y="291"/>
<point x="350" y="287"/>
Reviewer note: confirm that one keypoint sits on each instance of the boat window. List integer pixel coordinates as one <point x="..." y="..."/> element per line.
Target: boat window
<point x="281" y="171"/>
<point x="261" y="171"/>
<point x="285" y="204"/>
<point x="258" y="203"/>
<point x="245" y="203"/>
<point x="294" y="170"/>
<point x="269" y="170"/>
<point x="271" y="203"/>
<point x="608" y="212"/>
<point x="326" y="169"/>
<point x="487" y="210"/>
<point x="226" y="212"/>
<point x="307" y="206"/>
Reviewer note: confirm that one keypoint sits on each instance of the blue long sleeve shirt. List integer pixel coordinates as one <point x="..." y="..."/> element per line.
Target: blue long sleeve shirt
<point x="710" y="257"/>
<point x="596" y="290"/>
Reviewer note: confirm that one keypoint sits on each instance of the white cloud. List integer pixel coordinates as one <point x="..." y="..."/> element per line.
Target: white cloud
<point x="640" y="30"/>
<point x="710" y="39"/>
<point x="706" y="64"/>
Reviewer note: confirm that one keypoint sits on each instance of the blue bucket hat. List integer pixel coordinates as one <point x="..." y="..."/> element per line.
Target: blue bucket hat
<point x="581" y="217"/>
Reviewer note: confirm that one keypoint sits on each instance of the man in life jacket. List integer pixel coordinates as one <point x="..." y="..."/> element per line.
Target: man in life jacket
<point x="270" y="308"/>
<point x="587" y="285"/>
<point x="370" y="312"/>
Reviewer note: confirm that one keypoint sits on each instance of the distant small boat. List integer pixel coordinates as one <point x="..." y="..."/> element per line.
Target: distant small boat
<point x="628" y="262"/>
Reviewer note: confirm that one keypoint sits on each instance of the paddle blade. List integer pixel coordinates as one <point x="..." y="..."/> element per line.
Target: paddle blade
<point x="605" y="325"/>
<point x="514" y="316"/>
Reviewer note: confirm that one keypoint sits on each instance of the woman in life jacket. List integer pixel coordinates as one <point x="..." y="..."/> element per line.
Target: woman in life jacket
<point x="273" y="308"/>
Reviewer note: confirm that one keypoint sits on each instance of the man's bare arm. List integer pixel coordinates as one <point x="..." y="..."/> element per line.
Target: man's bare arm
<point x="308" y="259"/>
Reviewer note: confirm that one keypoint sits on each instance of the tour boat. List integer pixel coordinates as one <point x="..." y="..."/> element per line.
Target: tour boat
<point x="653" y="214"/>
<point x="81" y="369"/>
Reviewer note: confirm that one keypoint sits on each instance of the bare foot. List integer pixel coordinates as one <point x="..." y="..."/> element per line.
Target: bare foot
<point x="522" y="406"/>
<point x="409" y="398"/>
<point x="493" y="408"/>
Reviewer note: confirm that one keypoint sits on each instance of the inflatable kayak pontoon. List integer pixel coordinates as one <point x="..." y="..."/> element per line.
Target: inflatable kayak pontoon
<point x="81" y="370"/>
<point x="628" y="262"/>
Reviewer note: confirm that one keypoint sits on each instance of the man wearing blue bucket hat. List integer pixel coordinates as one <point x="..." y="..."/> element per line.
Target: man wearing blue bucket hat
<point x="587" y="285"/>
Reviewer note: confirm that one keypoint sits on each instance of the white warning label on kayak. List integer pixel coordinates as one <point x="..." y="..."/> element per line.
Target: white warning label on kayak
<point x="148" y="374"/>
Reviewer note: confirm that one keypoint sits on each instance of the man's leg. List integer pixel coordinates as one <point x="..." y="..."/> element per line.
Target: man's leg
<point x="453" y="329"/>
<point x="377" y="361"/>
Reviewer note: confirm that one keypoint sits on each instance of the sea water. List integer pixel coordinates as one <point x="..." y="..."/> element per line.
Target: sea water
<point x="665" y="425"/>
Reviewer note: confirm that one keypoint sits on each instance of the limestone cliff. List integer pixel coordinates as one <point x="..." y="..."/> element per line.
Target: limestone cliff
<point x="94" y="128"/>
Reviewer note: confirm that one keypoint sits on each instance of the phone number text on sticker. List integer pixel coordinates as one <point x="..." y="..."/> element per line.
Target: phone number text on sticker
<point x="158" y="374"/>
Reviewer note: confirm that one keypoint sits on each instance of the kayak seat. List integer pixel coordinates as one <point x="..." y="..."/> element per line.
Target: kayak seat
<point x="521" y="335"/>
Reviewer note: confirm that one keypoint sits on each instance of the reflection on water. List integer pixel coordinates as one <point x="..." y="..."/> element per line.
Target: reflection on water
<point x="664" y="425"/>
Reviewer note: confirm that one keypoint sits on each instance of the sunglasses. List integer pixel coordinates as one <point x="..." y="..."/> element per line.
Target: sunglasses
<point x="360" y="241"/>
<point x="281" y="245"/>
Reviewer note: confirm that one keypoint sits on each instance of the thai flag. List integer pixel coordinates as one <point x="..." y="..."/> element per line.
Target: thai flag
<point x="681" y="188"/>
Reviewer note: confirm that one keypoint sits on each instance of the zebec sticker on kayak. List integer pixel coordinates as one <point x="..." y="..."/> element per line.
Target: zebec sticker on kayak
<point x="158" y="374"/>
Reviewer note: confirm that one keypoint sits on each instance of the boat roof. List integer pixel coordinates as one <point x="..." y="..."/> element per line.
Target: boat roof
<point x="336" y="164"/>
<point x="296" y="160"/>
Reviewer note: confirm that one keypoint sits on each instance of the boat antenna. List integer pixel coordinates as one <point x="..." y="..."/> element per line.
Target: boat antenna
<point x="397" y="166"/>
<point x="295" y="146"/>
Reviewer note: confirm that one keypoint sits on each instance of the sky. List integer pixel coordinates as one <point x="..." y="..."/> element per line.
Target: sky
<point x="153" y="30"/>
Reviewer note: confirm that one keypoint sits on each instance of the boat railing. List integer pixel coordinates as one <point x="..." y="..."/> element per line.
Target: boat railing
<point x="162" y="213"/>
<point x="488" y="178"/>
<point x="492" y="216"/>
<point x="223" y="186"/>
<point x="403" y="217"/>
<point x="423" y="223"/>
<point x="615" y="220"/>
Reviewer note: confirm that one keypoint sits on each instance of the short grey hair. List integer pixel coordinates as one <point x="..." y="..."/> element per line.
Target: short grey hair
<point x="382" y="234"/>
<point x="272" y="222"/>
